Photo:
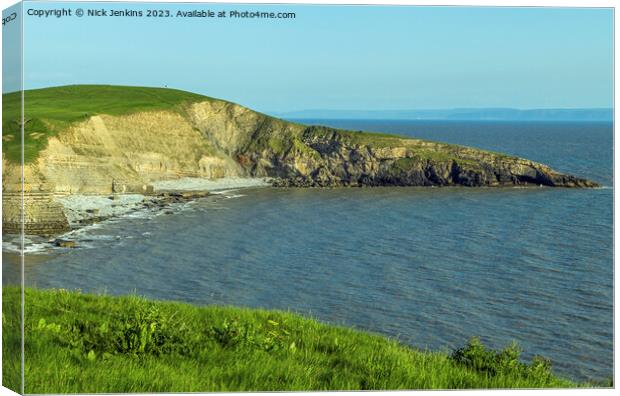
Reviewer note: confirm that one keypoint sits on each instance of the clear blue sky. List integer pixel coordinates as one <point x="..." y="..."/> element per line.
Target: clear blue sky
<point x="337" y="57"/>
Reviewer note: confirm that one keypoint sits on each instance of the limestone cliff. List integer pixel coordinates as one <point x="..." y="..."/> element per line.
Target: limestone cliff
<point x="298" y="155"/>
<point x="102" y="153"/>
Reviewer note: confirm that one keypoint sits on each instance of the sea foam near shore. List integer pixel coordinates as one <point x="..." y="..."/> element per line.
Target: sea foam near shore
<point x="84" y="207"/>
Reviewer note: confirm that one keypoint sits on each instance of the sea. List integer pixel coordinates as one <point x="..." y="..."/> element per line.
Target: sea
<point x="430" y="267"/>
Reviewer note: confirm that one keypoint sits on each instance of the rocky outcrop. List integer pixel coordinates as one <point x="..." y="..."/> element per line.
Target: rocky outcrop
<point x="313" y="156"/>
<point x="42" y="214"/>
<point x="212" y="138"/>
<point x="345" y="163"/>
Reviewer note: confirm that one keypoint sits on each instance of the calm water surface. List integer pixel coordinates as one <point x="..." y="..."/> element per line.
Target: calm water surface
<point x="431" y="266"/>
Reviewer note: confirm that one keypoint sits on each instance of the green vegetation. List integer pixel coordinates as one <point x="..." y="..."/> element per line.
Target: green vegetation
<point x="86" y="343"/>
<point x="372" y="139"/>
<point x="49" y="110"/>
<point x="404" y="165"/>
<point x="421" y="149"/>
<point x="11" y="340"/>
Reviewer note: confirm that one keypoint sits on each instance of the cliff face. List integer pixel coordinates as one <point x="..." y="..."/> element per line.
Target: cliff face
<point x="126" y="153"/>
<point x="212" y="139"/>
<point x="297" y="155"/>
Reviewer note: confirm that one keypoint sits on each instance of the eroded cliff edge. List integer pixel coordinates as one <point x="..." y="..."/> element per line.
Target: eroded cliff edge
<point x="202" y="137"/>
<point x="317" y="156"/>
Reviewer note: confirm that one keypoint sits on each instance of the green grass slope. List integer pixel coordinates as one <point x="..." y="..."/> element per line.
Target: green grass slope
<point x="49" y="110"/>
<point x="90" y="344"/>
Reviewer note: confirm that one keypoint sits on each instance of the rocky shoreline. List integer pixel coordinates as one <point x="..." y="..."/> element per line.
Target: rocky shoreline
<point x="85" y="214"/>
<point x="82" y="210"/>
<point x="121" y="204"/>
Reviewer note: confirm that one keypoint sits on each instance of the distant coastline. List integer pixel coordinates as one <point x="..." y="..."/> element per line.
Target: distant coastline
<point x="462" y="114"/>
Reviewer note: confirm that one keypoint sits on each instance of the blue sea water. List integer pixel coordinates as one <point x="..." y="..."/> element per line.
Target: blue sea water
<point x="429" y="266"/>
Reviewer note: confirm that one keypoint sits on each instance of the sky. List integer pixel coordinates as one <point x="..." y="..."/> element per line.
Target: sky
<point x="336" y="57"/>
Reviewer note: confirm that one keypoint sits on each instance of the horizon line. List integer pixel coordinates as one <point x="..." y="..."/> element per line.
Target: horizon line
<point x="449" y="108"/>
<point x="283" y="112"/>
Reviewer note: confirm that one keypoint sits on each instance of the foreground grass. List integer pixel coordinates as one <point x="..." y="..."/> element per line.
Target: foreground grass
<point x="87" y="344"/>
<point x="49" y="110"/>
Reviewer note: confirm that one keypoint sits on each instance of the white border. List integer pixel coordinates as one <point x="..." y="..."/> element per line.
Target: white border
<point x="505" y="3"/>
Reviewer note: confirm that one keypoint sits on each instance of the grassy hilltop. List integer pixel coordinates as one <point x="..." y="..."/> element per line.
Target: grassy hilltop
<point x="86" y="343"/>
<point x="50" y="110"/>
